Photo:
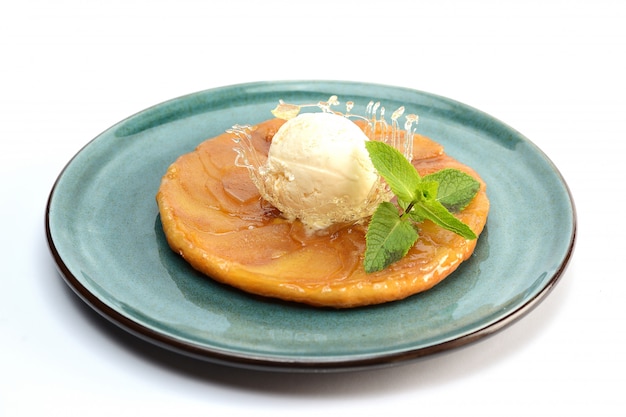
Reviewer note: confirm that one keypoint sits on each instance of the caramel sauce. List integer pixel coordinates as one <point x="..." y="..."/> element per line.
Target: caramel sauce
<point x="213" y="215"/>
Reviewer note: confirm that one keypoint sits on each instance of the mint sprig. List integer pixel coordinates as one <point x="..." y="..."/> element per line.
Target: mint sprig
<point x="393" y="230"/>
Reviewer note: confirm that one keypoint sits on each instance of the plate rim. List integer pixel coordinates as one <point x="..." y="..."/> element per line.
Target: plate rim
<point x="264" y="362"/>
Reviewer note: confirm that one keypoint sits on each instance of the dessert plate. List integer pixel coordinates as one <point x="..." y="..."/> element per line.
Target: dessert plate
<point x="105" y="235"/>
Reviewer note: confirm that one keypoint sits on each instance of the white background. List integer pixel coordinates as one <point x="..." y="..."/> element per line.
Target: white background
<point x="554" y="70"/>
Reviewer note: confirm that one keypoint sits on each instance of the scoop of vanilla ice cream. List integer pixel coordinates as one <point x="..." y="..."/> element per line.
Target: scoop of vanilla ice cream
<point x="319" y="171"/>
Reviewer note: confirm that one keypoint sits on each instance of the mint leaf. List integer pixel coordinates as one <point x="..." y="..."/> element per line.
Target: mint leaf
<point x="456" y="188"/>
<point x="436" y="212"/>
<point x="396" y="170"/>
<point x="389" y="237"/>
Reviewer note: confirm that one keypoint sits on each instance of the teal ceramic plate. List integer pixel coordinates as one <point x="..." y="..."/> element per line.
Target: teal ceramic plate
<point x="105" y="234"/>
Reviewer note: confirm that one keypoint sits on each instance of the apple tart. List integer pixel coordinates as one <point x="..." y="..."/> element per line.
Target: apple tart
<point x="214" y="216"/>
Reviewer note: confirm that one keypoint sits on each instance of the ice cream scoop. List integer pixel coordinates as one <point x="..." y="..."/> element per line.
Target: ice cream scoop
<point x="319" y="171"/>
